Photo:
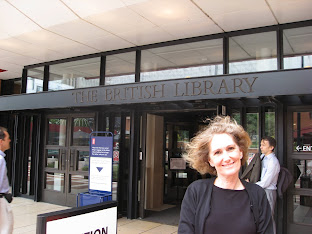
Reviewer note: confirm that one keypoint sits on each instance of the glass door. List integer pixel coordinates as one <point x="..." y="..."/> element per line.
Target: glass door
<point x="78" y="157"/>
<point x="66" y="164"/>
<point x="177" y="174"/>
<point x="299" y="161"/>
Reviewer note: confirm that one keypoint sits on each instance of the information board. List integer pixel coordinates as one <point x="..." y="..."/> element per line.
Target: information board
<point x="97" y="218"/>
<point x="101" y="221"/>
<point x="101" y="162"/>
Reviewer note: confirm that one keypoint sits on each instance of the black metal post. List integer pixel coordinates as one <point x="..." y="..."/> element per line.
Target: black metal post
<point x="46" y="77"/>
<point x="280" y="133"/>
<point x="225" y="55"/>
<point x="133" y="166"/>
<point x="102" y="70"/>
<point x="39" y="177"/>
<point x="24" y="81"/>
<point x="138" y="66"/>
<point x="280" y="49"/>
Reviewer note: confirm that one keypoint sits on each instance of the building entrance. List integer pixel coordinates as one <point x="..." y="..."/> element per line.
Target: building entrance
<point x="167" y="174"/>
<point x="177" y="174"/>
<point x="299" y="161"/>
<point x="66" y="157"/>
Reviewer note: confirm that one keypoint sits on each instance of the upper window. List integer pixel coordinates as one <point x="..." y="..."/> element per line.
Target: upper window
<point x="253" y="53"/>
<point x="76" y="74"/>
<point x="35" y="80"/>
<point x="198" y="59"/>
<point x="11" y="86"/>
<point x="120" y="68"/>
<point x="297" y="47"/>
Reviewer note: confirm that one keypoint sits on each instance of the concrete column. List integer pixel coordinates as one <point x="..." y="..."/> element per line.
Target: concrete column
<point x="154" y="162"/>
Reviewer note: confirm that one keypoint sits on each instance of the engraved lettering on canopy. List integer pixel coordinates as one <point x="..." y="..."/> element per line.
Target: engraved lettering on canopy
<point x="175" y="90"/>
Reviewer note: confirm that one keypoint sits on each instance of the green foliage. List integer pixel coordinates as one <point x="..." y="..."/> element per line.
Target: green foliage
<point x="51" y="164"/>
<point x="115" y="172"/>
<point x="85" y="168"/>
<point x="270" y="124"/>
<point x="54" y="121"/>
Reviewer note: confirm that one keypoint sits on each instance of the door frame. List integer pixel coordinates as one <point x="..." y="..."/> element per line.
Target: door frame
<point x="66" y="158"/>
<point x="291" y="226"/>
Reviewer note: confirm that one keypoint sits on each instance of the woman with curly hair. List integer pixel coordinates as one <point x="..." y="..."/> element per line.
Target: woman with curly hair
<point x="222" y="204"/>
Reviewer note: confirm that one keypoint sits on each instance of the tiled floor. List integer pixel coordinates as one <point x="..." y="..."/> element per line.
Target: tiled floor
<point x="26" y="211"/>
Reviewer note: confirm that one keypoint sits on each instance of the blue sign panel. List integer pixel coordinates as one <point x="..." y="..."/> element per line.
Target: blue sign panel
<point x="101" y="162"/>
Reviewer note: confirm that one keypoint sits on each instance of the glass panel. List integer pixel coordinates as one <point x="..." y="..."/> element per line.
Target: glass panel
<point x="11" y="86"/>
<point x="54" y="181"/>
<point x="270" y="122"/>
<point x="34" y="80"/>
<point x="252" y="127"/>
<point x="236" y="115"/>
<point x="17" y="86"/>
<point x="253" y="53"/>
<point x="297" y="47"/>
<point x="302" y="209"/>
<point x="120" y="68"/>
<point x="302" y="173"/>
<point x="302" y="131"/>
<point x="81" y="131"/>
<point x="79" y="184"/>
<point x="196" y="59"/>
<point x="183" y="138"/>
<point x="57" y="132"/>
<point x="107" y="123"/>
<point x="83" y="161"/>
<point x="53" y="158"/>
<point x="182" y="175"/>
<point x="76" y="74"/>
<point x="116" y="150"/>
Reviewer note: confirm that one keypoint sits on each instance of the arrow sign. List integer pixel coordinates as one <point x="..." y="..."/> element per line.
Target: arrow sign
<point x="99" y="168"/>
<point x="298" y="148"/>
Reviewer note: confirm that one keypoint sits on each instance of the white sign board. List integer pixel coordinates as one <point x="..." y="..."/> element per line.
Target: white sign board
<point x="98" y="222"/>
<point x="100" y="174"/>
<point x="101" y="163"/>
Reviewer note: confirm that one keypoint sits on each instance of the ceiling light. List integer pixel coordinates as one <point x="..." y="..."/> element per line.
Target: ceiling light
<point x="168" y="12"/>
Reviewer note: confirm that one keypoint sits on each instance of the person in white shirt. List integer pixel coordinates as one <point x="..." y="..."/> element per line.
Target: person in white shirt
<point x="270" y="169"/>
<point x="6" y="215"/>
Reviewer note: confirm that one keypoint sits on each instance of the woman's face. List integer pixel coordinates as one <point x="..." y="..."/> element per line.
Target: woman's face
<point x="225" y="155"/>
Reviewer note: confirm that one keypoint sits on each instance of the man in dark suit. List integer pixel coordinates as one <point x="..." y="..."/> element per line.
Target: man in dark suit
<point x="252" y="173"/>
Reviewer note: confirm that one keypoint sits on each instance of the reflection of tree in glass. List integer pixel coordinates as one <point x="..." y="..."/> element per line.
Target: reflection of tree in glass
<point x="252" y="128"/>
<point x="84" y="122"/>
<point x="54" y="121"/>
<point x="270" y="124"/>
<point x="183" y="135"/>
<point x="81" y="130"/>
<point x="236" y="116"/>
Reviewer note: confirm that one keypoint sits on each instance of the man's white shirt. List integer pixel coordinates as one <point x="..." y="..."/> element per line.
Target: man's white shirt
<point x="270" y="169"/>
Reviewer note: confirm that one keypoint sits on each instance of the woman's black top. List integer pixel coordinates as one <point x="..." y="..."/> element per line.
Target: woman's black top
<point x="230" y="212"/>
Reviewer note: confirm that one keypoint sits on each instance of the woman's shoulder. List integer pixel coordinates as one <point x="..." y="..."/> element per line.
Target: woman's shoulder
<point x="201" y="183"/>
<point x="199" y="187"/>
<point x="253" y="188"/>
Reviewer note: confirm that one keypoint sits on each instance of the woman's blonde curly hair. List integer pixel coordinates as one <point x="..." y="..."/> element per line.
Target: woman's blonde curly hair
<point x="199" y="147"/>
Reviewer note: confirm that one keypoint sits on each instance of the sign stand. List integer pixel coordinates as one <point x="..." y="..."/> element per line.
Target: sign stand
<point x="100" y="170"/>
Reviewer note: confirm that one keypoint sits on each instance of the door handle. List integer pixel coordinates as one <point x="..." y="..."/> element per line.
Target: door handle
<point x="72" y="159"/>
<point x="63" y="159"/>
